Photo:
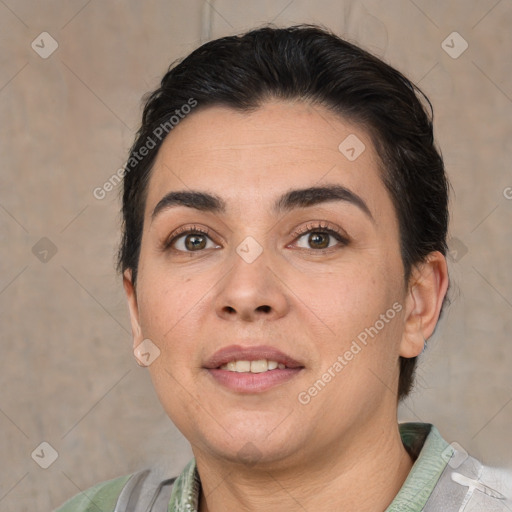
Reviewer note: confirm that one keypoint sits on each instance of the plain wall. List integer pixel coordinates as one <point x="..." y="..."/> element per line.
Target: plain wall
<point x="68" y="375"/>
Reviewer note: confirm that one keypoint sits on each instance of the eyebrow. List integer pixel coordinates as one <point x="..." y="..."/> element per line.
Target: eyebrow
<point x="293" y="199"/>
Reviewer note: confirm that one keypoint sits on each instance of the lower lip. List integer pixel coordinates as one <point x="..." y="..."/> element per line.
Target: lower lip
<point x="246" y="382"/>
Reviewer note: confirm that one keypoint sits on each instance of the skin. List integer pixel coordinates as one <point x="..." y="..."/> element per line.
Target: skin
<point x="343" y="448"/>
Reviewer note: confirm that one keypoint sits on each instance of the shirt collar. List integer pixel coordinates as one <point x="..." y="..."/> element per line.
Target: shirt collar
<point x="421" y="440"/>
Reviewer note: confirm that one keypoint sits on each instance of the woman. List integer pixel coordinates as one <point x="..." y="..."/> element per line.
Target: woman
<point x="283" y="258"/>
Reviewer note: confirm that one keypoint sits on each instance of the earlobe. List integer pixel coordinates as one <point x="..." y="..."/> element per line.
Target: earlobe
<point x="427" y="288"/>
<point x="133" y="307"/>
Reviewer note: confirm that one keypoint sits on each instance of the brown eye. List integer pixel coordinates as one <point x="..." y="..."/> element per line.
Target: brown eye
<point x="190" y="240"/>
<point x="320" y="237"/>
<point x="193" y="242"/>
<point x="319" y="240"/>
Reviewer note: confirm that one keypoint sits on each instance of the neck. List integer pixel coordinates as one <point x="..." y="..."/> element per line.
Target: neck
<point x="364" y="475"/>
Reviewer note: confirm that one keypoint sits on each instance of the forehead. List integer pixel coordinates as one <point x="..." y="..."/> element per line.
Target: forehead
<point x="249" y="159"/>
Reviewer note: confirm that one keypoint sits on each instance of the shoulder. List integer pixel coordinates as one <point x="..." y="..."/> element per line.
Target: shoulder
<point x="471" y="485"/>
<point x="100" y="498"/>
<point x="446" y="478"/>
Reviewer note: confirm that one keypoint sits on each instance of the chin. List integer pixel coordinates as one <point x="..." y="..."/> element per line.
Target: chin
<point x="251" y="443"/>
<point x="251" y="454"/>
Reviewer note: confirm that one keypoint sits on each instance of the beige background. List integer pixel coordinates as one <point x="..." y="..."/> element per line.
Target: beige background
<point x="67" y="374"/>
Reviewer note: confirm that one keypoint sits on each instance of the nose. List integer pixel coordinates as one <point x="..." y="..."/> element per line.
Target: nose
<point x="252" y="290"/>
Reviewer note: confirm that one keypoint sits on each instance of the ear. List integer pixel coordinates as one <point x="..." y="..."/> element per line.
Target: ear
<point x="426" y="290"/>
<point x="133" y="307"/>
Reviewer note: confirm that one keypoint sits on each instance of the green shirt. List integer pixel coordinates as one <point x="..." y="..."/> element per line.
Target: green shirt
<point x="422" y="441"/>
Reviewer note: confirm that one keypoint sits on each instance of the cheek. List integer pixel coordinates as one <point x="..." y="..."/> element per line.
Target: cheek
<point x="176" y="395"/>
<point x="168" y="308"/>
<point x="348" y="301"/>
<point x="365" y="313"/>
<point x="166" y="293"/>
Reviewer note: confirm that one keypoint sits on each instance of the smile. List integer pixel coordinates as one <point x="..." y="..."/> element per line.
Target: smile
<point x="251" y="368"/>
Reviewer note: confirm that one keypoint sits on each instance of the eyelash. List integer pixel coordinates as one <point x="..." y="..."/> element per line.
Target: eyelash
<point x="309" y="228"/>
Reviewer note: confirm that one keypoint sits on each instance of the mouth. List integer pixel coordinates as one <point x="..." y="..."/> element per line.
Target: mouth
<point x="256" y="359"/>
<point x="256" y="366"/>
<point x="251" y="369"/>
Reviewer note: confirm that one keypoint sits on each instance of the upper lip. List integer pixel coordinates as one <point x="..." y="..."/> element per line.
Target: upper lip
<point x="255" y="353"/>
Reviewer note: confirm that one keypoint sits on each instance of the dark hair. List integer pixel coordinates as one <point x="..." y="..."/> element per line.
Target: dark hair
<point x="310" y="63"/>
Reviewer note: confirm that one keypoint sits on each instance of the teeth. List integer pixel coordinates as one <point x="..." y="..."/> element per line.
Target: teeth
<point x="243" y="366"/>
<point x="259" y="366"/>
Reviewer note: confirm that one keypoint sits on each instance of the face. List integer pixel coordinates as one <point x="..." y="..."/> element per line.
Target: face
<point x="254" y="272"/>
